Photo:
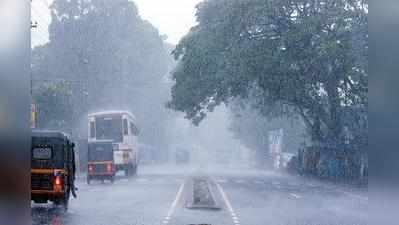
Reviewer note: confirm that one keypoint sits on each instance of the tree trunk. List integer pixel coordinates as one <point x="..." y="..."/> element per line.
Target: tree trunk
<point x="334" y="125"/>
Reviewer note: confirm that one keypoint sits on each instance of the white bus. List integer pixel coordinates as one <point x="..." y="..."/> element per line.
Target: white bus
<point x="121" y="128"/>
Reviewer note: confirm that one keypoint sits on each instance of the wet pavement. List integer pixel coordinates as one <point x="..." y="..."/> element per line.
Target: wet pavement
<point x="158" y="196"/>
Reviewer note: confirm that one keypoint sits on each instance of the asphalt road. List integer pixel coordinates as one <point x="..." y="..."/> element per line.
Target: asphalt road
<point x="158" y="196"/>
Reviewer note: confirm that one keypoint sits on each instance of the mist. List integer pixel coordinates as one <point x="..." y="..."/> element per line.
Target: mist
<point x="199" y="112"/>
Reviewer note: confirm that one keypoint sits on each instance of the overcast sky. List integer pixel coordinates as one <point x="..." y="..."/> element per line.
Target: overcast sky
<point x="172" y="17"/>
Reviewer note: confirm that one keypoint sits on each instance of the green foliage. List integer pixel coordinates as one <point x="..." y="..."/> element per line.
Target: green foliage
<point x="115" y="56"/>
<point x="55" y="107"/>
<point x="307" y="56"/>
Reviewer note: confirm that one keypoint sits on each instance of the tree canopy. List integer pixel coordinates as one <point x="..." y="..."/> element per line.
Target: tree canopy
<point x="113" y="55"/>
<point x="303" y="57"/>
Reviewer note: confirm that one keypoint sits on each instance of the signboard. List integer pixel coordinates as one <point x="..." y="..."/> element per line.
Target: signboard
<point x="276" y="141"/>
<point x="276" y="146"/>
<point x="33" y="116"/>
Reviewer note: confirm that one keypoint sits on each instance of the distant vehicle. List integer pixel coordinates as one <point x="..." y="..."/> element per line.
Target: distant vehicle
<point x="52" y="167"/>
<point x="182" y="156"/>
<point x="100" y="161"/>
<point x="120" y="128"/>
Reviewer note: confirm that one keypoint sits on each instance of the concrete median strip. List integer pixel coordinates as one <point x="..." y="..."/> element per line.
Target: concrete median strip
<point x="295" y="195"/>
<point x="201" y="195"/>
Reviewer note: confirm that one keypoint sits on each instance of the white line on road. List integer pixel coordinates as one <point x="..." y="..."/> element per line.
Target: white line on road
<point x="173" y="206"/>
<point x="221" y="181"/>
<point x="228" y="205"/>
<point x="363" y="198"/>
<point x="295" y="195"/>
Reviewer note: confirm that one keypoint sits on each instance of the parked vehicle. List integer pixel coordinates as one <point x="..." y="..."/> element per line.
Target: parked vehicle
<point x="52" y="167"/>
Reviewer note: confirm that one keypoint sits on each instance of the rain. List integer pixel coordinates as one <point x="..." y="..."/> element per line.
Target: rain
<point x="199" y="112"/>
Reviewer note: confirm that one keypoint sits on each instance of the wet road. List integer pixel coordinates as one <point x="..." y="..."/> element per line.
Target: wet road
<point x="158" y="196"/>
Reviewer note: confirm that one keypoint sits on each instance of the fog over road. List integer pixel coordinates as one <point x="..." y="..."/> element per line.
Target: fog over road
<point x="158" y="195"/>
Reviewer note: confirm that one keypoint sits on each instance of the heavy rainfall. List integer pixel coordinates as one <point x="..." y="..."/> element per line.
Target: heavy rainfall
<point x="210" y="112"/>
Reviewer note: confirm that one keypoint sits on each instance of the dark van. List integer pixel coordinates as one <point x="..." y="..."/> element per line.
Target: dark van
<point x="52" y="167"/>
<point x="100" y="162"/>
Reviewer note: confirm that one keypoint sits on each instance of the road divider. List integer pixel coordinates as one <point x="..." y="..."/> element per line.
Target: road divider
<point x="201" y="194"/>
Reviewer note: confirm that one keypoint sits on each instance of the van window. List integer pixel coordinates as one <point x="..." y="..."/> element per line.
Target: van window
<point x="42" y="153"/>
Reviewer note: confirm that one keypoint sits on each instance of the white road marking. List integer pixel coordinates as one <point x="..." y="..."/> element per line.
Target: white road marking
<point x="173" y="206"/>
<point x="363" y="198"/>
<point x="295" y="195"/>
<point x="221" y="181"/>
<point x="240" y="181"/>
<point x="228" y="205"/>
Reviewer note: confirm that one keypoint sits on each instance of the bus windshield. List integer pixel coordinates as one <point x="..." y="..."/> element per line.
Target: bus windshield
<point x="109" y="128"/>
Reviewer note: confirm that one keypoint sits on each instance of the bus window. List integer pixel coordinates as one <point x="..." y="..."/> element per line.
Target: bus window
<point x="125" y="127"/>
<point x="133" y="129"/>
<point x="92" y="130"/>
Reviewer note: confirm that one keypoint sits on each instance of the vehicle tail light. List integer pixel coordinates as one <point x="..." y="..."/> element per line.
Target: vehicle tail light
<point x="58" y="183"/>
<point x="91" y="168"/>
<point x="109" y="167"/>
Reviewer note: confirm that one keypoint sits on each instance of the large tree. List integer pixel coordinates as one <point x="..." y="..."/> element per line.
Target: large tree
<point x="303" y="57"/>
<point x="54" y="101"/>
<point x="113" y="55"/>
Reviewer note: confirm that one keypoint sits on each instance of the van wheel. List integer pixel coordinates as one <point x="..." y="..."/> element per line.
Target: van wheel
<point x="65" y="204"/>
<point x="65" y="200"/>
